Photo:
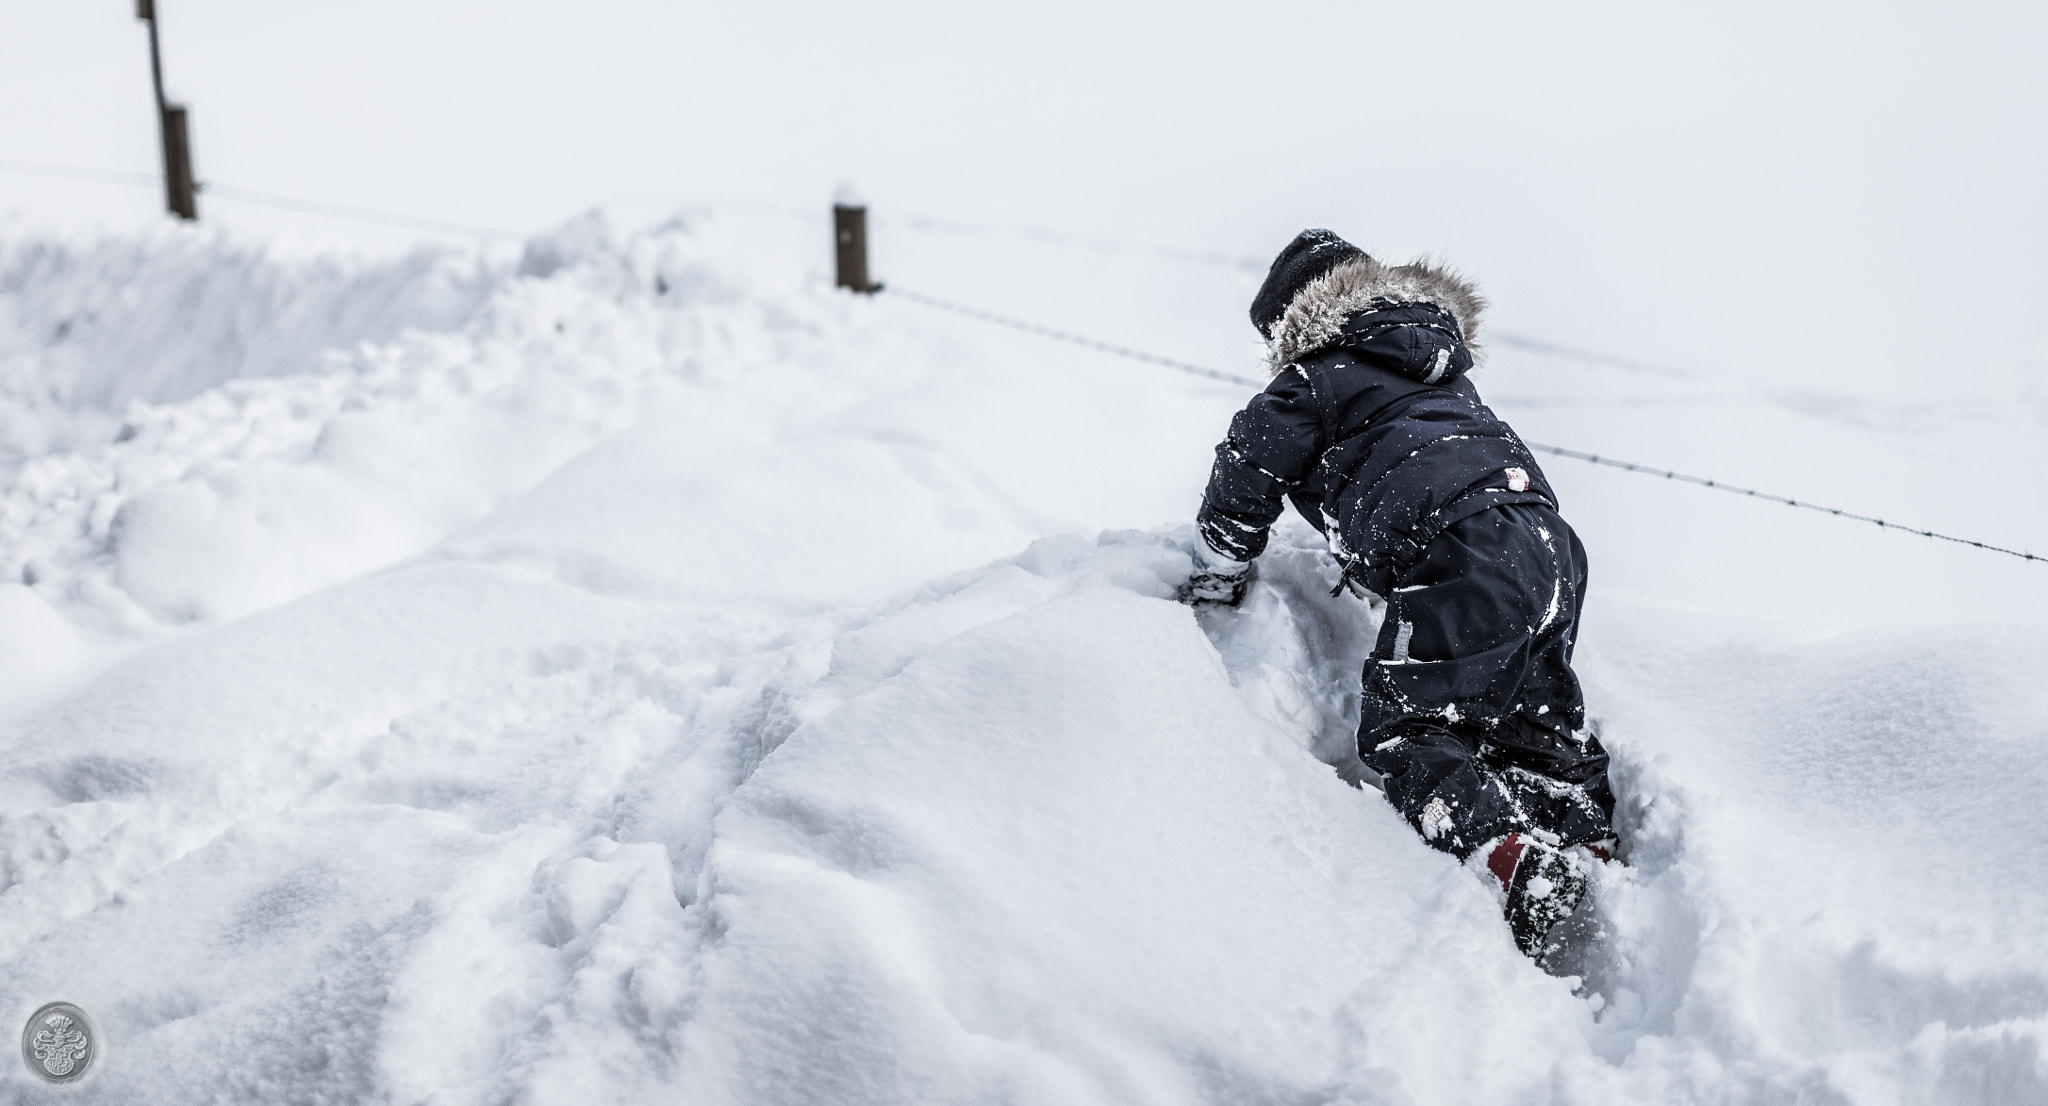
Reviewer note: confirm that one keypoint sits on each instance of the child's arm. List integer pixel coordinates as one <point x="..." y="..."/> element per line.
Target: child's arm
<point x="1272" y="447"/>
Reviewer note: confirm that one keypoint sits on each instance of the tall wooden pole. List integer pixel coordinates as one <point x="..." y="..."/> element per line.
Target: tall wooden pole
<point x="180" y="197"/>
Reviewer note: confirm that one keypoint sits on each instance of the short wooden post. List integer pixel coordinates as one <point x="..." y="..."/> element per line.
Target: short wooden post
<point x="178" y="165"/>
<point x="850" y="242"/>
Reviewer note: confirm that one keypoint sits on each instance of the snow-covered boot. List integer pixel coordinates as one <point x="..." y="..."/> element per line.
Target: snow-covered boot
<point x="1544" y="884"/>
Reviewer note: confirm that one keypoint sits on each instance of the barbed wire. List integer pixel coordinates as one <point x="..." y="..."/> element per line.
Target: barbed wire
<point x="1065" y="336"/>
<point x="358" y="214"/>
<point x="1594" y="458"/>
<point x="79" y="172"/>
<point x="1558" y="451"/>
<point x="268" y="199"/>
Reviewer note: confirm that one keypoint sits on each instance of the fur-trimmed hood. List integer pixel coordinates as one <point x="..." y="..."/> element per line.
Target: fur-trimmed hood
<point x="1317" y="315"/>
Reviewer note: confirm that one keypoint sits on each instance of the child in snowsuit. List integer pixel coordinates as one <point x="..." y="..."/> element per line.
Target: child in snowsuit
<point x="1470" y="712"/>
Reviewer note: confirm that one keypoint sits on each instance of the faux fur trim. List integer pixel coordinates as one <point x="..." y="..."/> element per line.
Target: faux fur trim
<point x="1320" y="310"/>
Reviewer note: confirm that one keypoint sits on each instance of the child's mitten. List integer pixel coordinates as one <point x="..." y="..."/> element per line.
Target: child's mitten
<point x="1217" y="579"/>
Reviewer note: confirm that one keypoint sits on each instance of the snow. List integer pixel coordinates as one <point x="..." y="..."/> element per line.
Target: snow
<point x="620" y="667"/>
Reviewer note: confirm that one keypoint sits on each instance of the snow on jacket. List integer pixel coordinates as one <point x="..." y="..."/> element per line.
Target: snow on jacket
<point x="1370" y="426"/>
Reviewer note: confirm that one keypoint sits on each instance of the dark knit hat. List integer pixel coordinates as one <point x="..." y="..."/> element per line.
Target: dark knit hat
<point x="1310" y="255"/>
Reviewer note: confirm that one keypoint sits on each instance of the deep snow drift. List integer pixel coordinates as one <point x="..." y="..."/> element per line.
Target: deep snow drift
<point x="627" y="670"/>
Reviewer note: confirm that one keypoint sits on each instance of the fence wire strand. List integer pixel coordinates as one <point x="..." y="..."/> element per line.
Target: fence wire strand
<point x="267" y="199"/>
<point x="357" y="214"/>
<point x="1558" y="451"/>
<point x="1073" y="339"/>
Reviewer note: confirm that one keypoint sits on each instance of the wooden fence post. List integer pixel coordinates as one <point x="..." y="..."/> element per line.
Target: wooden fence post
<point x="178" y="165"/>
<point x="850" y="242"/>
<point x="179" y="191"/>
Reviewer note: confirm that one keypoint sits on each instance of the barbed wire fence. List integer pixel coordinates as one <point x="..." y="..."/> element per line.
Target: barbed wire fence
<point x="1532" y="345"/>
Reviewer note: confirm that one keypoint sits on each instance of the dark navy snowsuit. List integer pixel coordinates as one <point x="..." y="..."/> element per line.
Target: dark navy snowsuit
<point x="1471" y="714"/>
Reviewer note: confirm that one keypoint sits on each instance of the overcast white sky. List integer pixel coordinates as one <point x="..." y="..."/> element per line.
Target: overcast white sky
<point x="1842" y="194"/>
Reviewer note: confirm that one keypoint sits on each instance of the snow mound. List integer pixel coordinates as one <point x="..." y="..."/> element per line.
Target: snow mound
<point x="1055" y="858"/>
<point x="630" y="670"/>
<point x="292" y="423"/>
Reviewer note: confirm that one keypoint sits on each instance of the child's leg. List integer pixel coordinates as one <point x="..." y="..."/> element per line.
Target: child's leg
<point x="1470" y="710"/>
<point x="1558" y="778"/>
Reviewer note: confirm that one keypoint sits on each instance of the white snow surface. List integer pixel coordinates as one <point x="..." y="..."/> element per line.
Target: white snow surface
<point x="625" y="669"/>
